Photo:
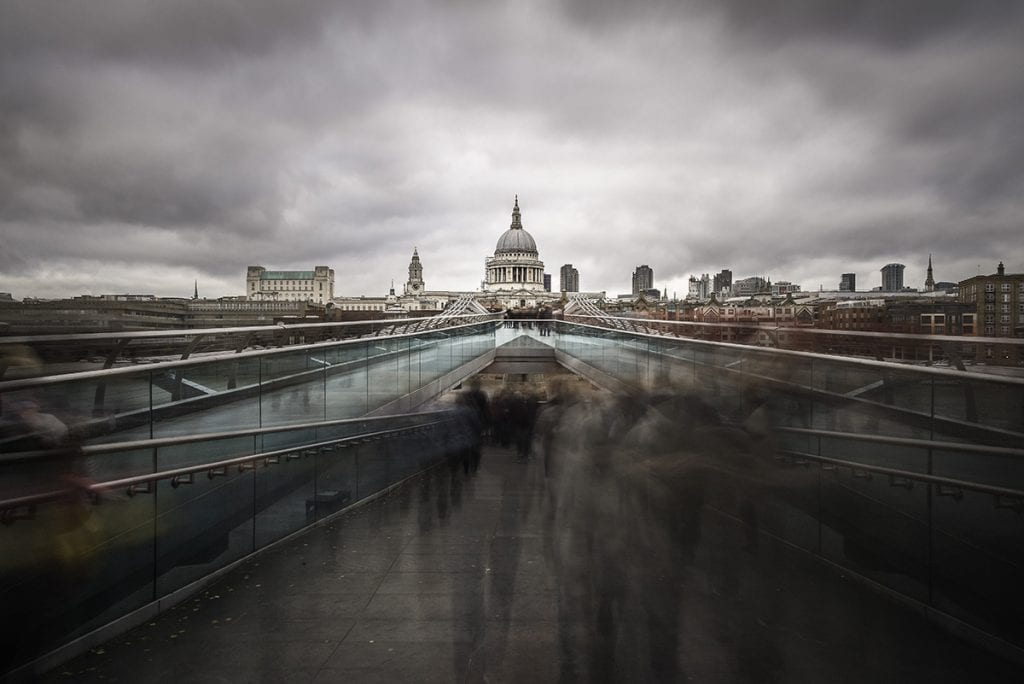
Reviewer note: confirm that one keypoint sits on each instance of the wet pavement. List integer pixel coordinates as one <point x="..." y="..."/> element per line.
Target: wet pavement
<point x="465" y="578"/>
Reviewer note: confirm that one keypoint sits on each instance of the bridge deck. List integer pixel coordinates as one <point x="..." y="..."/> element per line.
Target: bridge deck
<point x="455" y="578"/>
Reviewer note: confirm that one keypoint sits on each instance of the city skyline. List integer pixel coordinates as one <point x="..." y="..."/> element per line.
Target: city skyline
<point x="146" y="150"/>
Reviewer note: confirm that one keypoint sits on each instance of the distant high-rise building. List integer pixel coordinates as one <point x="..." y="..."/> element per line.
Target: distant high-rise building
<point x="547" y="282"/>
<point x="929" y="281"/>
<point x="848" y="282"/>
<point x="569" y="279"/>
<point x="643" y="279"/>
<point x="892" y="277"/>
<point x="722" y="281"/>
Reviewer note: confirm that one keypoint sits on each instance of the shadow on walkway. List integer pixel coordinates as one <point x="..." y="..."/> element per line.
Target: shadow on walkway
<point x="465" y="578"/>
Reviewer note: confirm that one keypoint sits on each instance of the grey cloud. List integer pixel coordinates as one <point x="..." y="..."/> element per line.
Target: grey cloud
<point x="880" y="23"/>
<point x="188" y="32"/>
<point x="787" y="138"/>
<point x="895" y="25"/>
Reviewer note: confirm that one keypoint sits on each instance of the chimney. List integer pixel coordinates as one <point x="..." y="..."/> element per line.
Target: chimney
<point x="1001" y="270"/>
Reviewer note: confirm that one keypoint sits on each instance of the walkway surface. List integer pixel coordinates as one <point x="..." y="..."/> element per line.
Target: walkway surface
<point x="454" y="578"/>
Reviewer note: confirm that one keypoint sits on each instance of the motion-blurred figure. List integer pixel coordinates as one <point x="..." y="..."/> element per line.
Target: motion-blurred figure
<point x="628" y="478"/>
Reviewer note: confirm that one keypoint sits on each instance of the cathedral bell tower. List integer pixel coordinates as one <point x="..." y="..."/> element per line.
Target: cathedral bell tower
<point x="414" y="286"/>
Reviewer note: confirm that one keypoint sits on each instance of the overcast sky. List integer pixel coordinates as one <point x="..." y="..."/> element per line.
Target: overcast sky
<point x="147" y="144"/>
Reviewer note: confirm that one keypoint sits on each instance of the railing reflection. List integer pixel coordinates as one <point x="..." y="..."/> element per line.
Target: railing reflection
<point x="943" y="350"/>
<point x="78" y="557"/>
<point x="250" y="389"/>
<point x="912" y="477"/>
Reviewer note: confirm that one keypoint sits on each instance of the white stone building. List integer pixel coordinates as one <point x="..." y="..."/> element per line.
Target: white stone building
<point x="315" y="286"/>
<point x="514" y="276"/>
<point x="514" y="279"/>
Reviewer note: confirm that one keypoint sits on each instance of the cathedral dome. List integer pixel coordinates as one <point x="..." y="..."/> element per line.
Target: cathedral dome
<point x="515" y="239"/>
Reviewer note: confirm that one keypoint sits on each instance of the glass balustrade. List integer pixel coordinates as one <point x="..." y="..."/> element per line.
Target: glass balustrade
<point x="250" y="390"/>
<point x="76" y="562"/>
<point x="942" y="544"/>
<point x="822" y="486"/>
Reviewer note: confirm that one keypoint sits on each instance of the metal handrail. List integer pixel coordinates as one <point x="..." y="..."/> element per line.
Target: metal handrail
<point x="869" y="363"/>
<point x="910" y="475"/>
<point x="908" y="441"/>
<point x="158" y="442"/>
<point x="25" y="383"/>
<point x="1012" y="341"/>
<point x="97" y="488"/>
<point x="195" y="332"/>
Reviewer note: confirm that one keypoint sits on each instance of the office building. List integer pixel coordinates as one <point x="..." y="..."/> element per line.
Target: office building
<point x="892" y="277"/>
<point x="722" y="282"/>
<point x="643" y="279"/>
<point x="569" y="279"/>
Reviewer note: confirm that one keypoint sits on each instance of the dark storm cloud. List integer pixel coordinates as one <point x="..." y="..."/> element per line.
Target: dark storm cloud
<point x="880" y="23"/>
<point x="939" y="85"/>
<point x="183" y="33"/>
<point x="786" y="137"/>
<point x="175" y="114"/>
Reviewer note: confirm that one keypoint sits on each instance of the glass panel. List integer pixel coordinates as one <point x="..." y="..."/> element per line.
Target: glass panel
<point x="679" y="357"/>
<point x="72" y="567"/>
<point x="996" y="470"/>
<point x="346" y="381"/>
<point x="623" y="358"/>
<point x="780" y="497"/>
<point x="445" y="351"/>
<point x="658" y="375"/>
<point x="345" y="429"/>
<point x="382" y="377"/>
<point x="335" y="482"/>
<point x="198" y="453"/>
<point x="977" y="558"/>
<point x="422" y="358"/>
<point x="202" y="526"/>
<point x="877" y="527"/>
<point x="405" y="455"/>
<point x="430" y="447"/>
<point x="979" y="412"/>
<point x="207" y="397"/>
<point x="292" y="388"/>
<point x="371" y="468"/>
<point x="457" y="338"/>
<point x="880" y="400"/>
<point x="436" y="350"/>
<point x="110" y="408"/>
<point x="271" y="441"/>
<point x="285" y="494"/>
<point x="773" y="390"/>
<point x="118" y="464"/>
<point x="404" y="358"/>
